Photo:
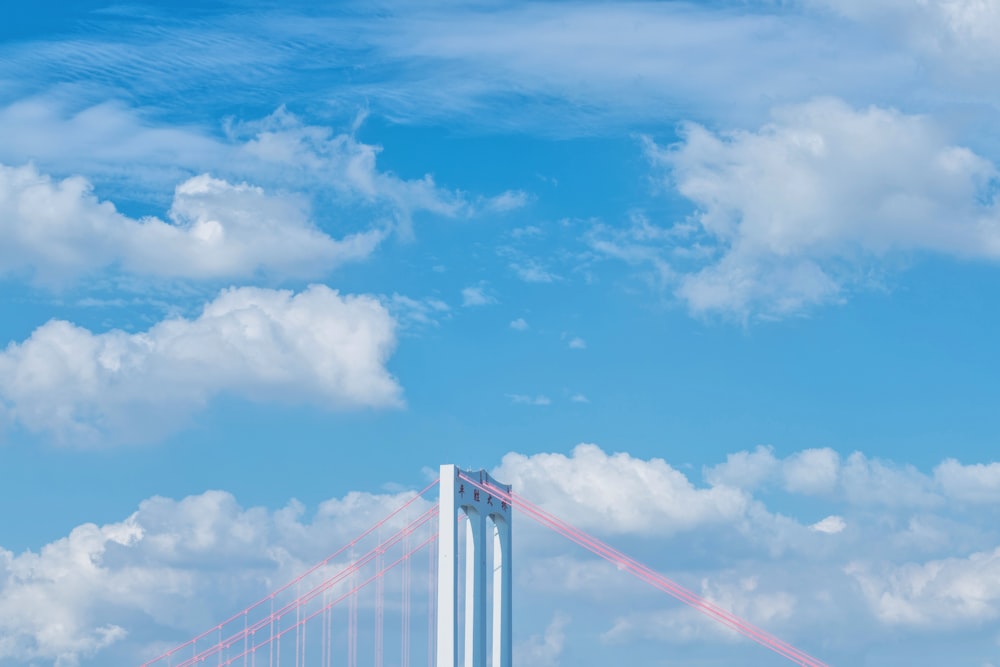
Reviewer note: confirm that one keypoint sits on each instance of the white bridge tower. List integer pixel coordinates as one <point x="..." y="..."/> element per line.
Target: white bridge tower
<point x="463" y="491"/>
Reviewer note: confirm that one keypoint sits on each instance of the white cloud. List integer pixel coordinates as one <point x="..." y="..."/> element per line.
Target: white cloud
<point x="116" y="587"/>
<point x="859" y="480"/>
<point x="88" y="388"/>
<point x="579" y="398"/>
<point x="107" y="138"/>
<point x="831" y="525"/>
<point x="798" y="211"/>
<point x="519" y="324"/>
<point x="868" y="481"/>
<point x="949" y="592"/>
<point x="976" y="483"/>
<point x="511" y="200"/>
<point x="525" y="399"/>
<point x="809" y="472"/>
<point x="528" y="232"/>
<point x="115" y="144"/>
<point x="281" y="146"/>
<point x="618" y="493"/>
<point x="58" y="230"/>
<point x="958" y="36"/>
<point x="812" y="471"/>
<point x="679" y="625"/>
<point x="544" y="650"/>
<point x="477" y="296"/>
<point x="158" y="572"/>
<point x="744" y="470"/>
<point x="532" y="272"/>
<point x="577" y="343"/>
<point x="412" y="312"/>
<point x="614" y="62"/>
<point x="569" y="64"/>
<point x="641" y="243"/>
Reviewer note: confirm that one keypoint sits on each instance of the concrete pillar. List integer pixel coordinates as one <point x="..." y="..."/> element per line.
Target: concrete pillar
<point x="480" y="507"/>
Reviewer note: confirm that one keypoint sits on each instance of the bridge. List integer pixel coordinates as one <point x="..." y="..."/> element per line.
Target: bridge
<point x="396" y="596"/>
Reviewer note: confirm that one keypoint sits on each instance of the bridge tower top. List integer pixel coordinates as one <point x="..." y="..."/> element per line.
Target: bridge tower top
<point x="472" y="493"/>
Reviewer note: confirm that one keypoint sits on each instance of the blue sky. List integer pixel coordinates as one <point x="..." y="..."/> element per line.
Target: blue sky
<point x="732" y="262"/>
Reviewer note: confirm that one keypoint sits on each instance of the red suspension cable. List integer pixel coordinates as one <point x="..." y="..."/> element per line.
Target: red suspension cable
<point x="651" y="577"/>
<point x="270" y="598"/>
<point x="274" y="618"/>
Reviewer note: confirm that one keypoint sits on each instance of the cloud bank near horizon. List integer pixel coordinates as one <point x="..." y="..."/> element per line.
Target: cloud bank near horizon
<point x="922" y="569"/>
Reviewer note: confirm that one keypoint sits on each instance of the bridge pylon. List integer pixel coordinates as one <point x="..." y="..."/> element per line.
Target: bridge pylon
<point x="467" y="492"/>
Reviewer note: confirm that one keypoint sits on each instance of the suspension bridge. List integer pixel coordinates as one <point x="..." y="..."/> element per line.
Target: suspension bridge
<point x="424" y="586"/>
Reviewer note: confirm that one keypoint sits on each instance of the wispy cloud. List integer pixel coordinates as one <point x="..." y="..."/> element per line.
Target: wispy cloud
<point x="617" y="62"/>
<point x="525" y="399"/>
<point x="557" y="66"/>
<point x="511" y="200"/>
<point x="533" y="272"/>
<point x="416" y="313"/>
<point x="111" y="142"/>
<point x="476" y="295"/>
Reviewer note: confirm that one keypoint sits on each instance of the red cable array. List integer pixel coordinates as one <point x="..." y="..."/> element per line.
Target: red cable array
<point x="269" y="628"/>
<point x="352" y="593"/>
<point x="649" y="576"/>
<point x="249" y="633"/>
<point x="274" y="638"/>
<point x="404" y="630"/>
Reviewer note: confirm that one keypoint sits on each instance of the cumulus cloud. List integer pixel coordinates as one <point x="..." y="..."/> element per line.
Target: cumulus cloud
<point x="87" y="388"/>
<point x="172" y="566"/>
<point x="976" y="483"/>
<point x="744" y="470"/>
<point x="58" y="230"/>
<point x="859" y="480"/>
<point x="951" y="591"/>
<point x="809" y="472"/>
<point x="812" y="471"/>
<point x="868" y="481"/>
<point x="850" y="572"/>
<point x="617" y="493"/>
<point x="520" y="324"/>
<point x="850" y="576"/>
<point x="798" y="212"/>
<point x="831" y="525"/>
